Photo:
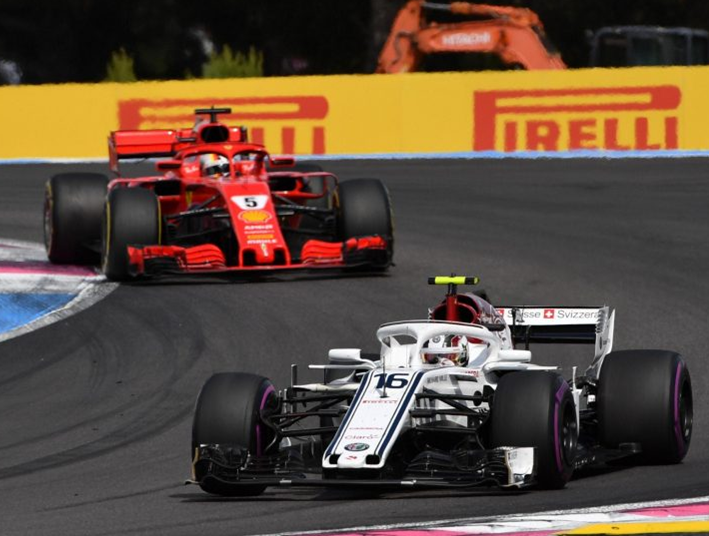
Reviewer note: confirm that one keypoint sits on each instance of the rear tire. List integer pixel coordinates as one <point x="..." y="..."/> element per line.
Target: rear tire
<point x="228" y="412"/>
<point x="536" y="409"/>
<point x="365" y="210"/>
<point x="73" y="210"/>
<point x="132" y="217"/>
<point x="645" y="396"/>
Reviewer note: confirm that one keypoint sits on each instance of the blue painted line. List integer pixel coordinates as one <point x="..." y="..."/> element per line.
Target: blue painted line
<point x="363" y="386"/>
<point x="19" y="309"/>
<point x="462" y="155"/>
<point x="400" y="412"/>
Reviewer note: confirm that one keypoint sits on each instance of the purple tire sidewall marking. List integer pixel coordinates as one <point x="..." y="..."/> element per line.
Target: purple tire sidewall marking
<point x="557" y="444"/>
<point x="270" y="389"/>
<point x="678" y="428"/>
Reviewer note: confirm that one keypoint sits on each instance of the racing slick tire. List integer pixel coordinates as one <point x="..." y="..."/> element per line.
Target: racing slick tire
<point x="645" y="396"/>
<point x="73" y="210"/>
<point x="536" y="409"/>
<point x="228" y="411"/>
<point x="131" y="217"/>
<point x="365" y="210"/>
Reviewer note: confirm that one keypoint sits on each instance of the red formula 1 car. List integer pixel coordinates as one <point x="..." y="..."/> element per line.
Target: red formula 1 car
<point x="220" y="204"/>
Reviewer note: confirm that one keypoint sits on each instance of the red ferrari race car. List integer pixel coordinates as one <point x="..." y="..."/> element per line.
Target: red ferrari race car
<point x="219" y="204"/>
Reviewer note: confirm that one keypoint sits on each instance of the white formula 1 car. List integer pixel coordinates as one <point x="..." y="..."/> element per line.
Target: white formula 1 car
<point x="450" y="401"/>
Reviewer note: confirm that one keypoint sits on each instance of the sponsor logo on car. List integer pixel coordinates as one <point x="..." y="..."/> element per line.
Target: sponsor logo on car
<point x="551" y="315"/>
<point x="255" y="216"/>
<point x="263" y="236"/>
<point x="620" y="118"/>
<point x="361" y="437"/>
<point x="356" y="447"/>
<point x="523" y="314"/>
<point x="577" y="314"/>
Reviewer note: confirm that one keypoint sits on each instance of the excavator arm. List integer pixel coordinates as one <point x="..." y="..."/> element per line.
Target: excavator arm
<point x="517" y="15"/>
<point x="400" y="53"/>
<point x="515" y="35"/>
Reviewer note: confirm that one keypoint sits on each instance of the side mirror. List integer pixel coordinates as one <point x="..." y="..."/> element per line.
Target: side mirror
<point x="281" y="161"/>
<point x="344" y="355"/>
<point x="349" y="356"/>
<point x="168" y="165"/>
<point x="517" y="356"/>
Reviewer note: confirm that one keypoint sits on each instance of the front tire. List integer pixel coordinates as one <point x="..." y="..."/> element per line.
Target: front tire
<point x="645" y="396"/>
<point x="131" y="217"/>
<point x="73" y="209"/>
<point x="228" y="411"/>
<point x="365" y="210"/>
<point x="536" y="409"/>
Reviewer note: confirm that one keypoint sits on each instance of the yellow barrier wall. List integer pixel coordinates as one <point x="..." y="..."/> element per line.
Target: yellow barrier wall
<point x="623" y="109"/>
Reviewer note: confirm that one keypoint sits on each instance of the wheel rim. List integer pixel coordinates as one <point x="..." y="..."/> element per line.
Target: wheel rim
<point x="106" y="244"/>
<point x="48" y="226"/>
<point x="261" y="439"/>
<point x="684" y="413"/>
<point x="569" y="434"/>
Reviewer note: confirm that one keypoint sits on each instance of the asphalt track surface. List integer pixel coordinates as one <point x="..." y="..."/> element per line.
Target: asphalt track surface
<point x="96" y="409"/>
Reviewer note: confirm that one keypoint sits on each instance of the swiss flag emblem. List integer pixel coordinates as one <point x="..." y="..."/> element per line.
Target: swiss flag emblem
<point x="549" y="313"/>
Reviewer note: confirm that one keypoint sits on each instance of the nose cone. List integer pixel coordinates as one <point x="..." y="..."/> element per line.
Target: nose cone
<point x="265" y="254"/>
<point x="351" y="460"/>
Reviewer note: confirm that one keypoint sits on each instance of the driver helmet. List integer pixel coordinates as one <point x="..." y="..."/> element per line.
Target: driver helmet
<point x="445" y="350"/>
<point x="214" y="165"/>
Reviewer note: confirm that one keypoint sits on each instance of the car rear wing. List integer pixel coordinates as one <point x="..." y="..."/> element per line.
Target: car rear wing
<point x="124" y="144"/>
<point x="132" y="144"/>
<point x="560" y="324"/>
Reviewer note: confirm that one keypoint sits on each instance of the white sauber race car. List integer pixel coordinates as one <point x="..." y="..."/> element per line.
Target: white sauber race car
<point x="450" y="401"/>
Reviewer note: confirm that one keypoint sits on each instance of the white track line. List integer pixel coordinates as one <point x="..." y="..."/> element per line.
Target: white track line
<point x="542" y="519"/>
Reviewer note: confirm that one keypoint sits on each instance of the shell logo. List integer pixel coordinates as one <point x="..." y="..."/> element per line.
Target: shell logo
<point x="255" y="216"/>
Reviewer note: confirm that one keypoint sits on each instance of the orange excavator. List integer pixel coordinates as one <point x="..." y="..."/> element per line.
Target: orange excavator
<point x="515" y="35"/>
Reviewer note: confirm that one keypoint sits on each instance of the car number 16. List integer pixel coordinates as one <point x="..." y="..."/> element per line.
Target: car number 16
<point x="397" y="380"/>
